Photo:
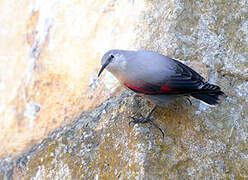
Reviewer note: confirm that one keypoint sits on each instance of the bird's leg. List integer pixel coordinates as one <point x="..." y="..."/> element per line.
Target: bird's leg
<point x="143" y="119"/>
<point x="136" y="96"/>
<point x="146" y="119"/>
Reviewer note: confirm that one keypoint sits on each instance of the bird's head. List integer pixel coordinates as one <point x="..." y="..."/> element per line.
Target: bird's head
<point x="114" y="61"/>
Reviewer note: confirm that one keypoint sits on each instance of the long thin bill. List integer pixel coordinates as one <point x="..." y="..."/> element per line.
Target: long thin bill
<point x="105" y="65"/>
<point x="102" y="68"/>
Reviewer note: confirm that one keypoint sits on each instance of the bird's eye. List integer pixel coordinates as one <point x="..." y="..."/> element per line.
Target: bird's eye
<point x="112" y="56"/>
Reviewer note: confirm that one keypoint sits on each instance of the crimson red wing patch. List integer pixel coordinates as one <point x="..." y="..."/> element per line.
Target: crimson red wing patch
<point x="137" y="90"/>
<point x="154" y="90"/>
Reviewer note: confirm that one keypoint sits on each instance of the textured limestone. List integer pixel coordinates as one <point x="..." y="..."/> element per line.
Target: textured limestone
<point x="49" y="59"/>
<point x="200" y="142"/>
<point x="214" y="32"/>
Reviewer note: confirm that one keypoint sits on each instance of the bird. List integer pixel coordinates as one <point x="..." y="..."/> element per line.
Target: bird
<point x="158" y="78"/>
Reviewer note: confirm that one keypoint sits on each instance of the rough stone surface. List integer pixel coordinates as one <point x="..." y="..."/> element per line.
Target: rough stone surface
<point x="214" y="32"/>
<point x="100" y="144"/>
<point x="201" y="142"/>
<point x="49" y="57"/>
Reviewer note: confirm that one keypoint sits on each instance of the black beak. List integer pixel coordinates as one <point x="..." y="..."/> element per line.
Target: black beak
<point x="104" y="66"/>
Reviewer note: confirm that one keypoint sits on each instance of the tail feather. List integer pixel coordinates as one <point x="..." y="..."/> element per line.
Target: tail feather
<point x="211" y="94"/>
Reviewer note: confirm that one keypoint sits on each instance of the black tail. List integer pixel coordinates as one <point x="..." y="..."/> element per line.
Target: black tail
<point x="210" y="94"/>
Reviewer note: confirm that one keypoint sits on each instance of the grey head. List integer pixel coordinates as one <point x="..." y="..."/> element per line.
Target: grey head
<point x="115" y="61"/>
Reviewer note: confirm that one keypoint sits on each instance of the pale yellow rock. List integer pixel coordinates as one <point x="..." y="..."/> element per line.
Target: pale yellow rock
<point x="49" y="58"/>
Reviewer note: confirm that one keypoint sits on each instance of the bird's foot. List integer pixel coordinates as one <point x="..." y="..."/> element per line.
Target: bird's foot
<point x="143" y="120"/>
<point x="136" y="120"/>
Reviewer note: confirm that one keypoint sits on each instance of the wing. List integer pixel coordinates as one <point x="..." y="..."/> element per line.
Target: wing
<point x="183" y="80"/>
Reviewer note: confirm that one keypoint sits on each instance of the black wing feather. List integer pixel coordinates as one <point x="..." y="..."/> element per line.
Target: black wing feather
<point x="184" y="81"/>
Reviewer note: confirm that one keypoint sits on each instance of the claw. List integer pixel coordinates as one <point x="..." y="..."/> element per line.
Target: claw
<point x="156" y="126"/>
<point x="136" y="120"/>
<point x="130" y="122"/>
<point x="146" y="119"/>
<point x="131" y="117"/>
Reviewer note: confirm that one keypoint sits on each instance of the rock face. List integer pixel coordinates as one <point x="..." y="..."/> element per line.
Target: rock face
<point x="50" y="55"/>
<point x="65" y="42"/>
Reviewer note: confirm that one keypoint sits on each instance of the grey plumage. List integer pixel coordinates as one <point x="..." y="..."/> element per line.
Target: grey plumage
<point x="149" y="72"/>
<point x="158" y="78"/>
